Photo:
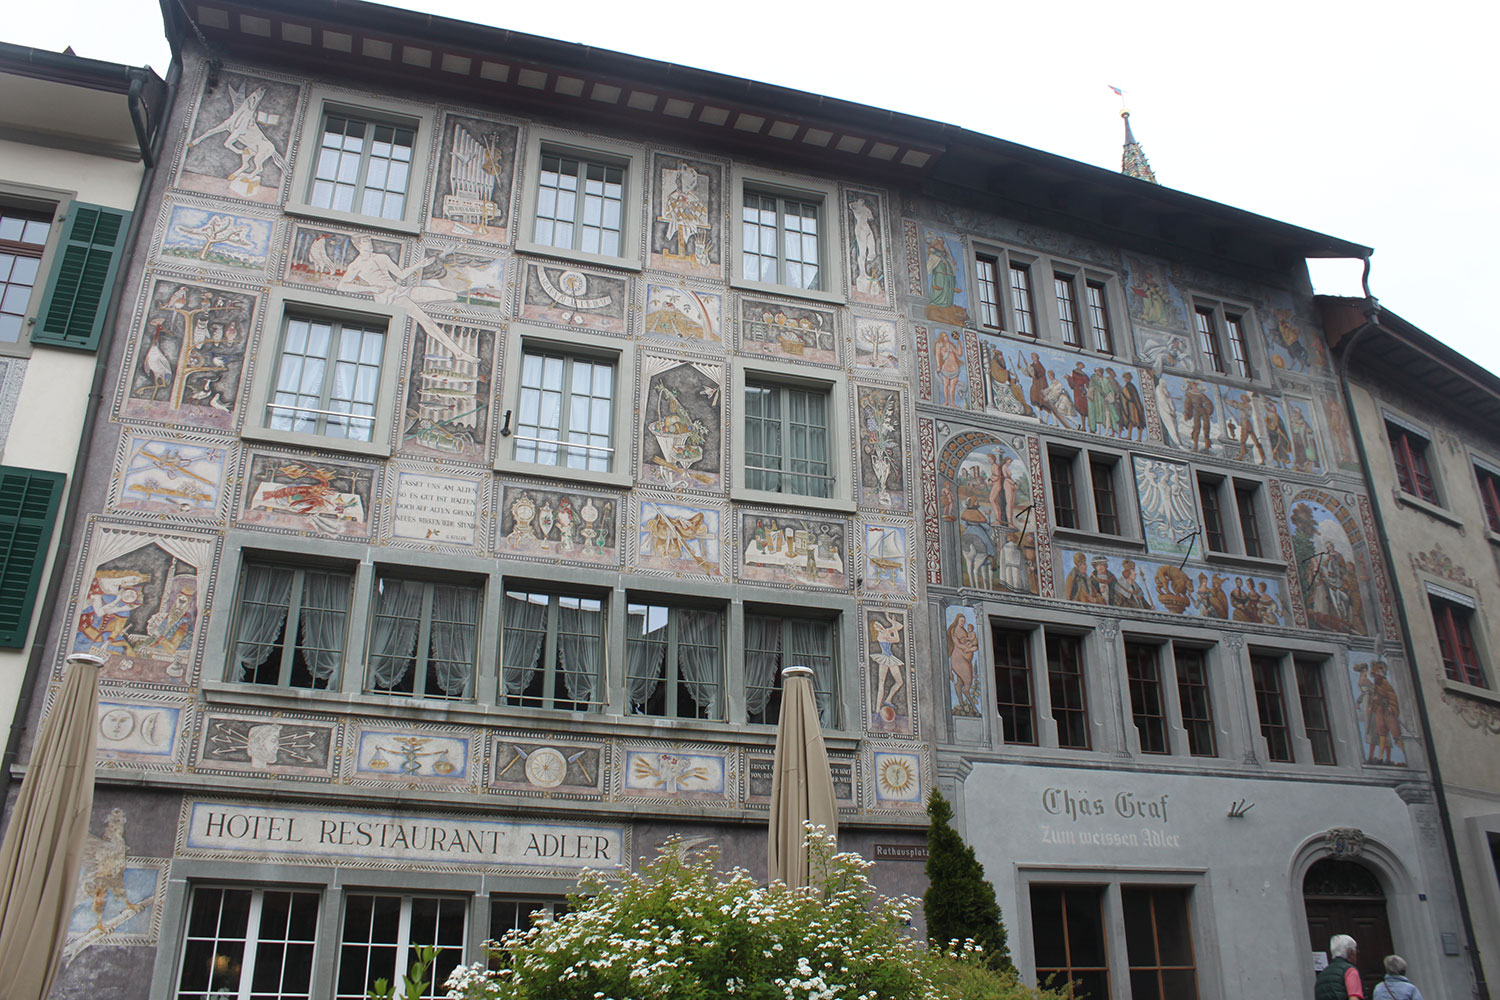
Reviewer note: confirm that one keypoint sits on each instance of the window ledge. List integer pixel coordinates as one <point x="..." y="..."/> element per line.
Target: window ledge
<point x="839" y="505"/>
<point x="1493" y="536"/>
<point x="1096" y="538"/>
<point x="305" y="210"/>
<point x="299" y="439"/>
<point x="787" y="291"/>
<point x="576" y="256"/>
<point x="1256" y="564"/>
<point x="1429" y="508"/>
<point x="1471" y="691"/>
<point x="588" y="477"/>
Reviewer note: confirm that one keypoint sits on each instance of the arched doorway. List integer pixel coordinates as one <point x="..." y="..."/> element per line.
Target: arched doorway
<point x="1345" y="897"/>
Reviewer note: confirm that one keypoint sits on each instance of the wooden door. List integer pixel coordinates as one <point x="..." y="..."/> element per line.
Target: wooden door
<point x="1344" y="897"/>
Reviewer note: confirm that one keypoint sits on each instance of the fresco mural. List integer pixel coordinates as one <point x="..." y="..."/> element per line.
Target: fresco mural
<point x="572" y="297"/>
<point x="1330" y="552"/>
<point x="555" y="768"/>
<point x="266" y="747"/>
<point x="865" y="219"/>
<point x="1149" y="585"/>
<point x="886" y="567"/>
<point x="240" y="133"/>
<point x="313" y="495"/>
<point x="1169" y="514"/>
<point x="686" y="213"/>
<point x="204" y="237"/>
<point x="1165" y="349"/>
<point x="386" y="755"/>
<point x="793" y="549"/>
<point x="1342" y="449"/>
<point x="471" y="181"/>
<point x="321" y="257"/>
<point x="1153" y="299"/>
<point x="946" y="281"/>
<point x="137" y="731"/>
<point x="898" y="779"/>
<point x="1292" y="350"/>
<point x="118" y="897"/>
<point x="961" y="643"/>
<point x="1377" y="707"/>
<point x="675" y="774"/>
<point x="431" y="510"/>
<point x="882" y="454"/>
<point x="162" y="475"/>
<point x="986" y="496"/>
<point x="140" y="603"/>
<point x="678" y="538"/>
<point x="682" y="439"/>
<point x="888" y="672"/>
<point x="948" y="381"/>
<point x="1191" y="418"/>
<point x="578" y="525"/>
<point x="679" y="311"/>
<point x="783" y="330"/>
<point x="448" y="392"/>
<point x="186" y="363"/>
<point x="876" y="345"/>
<point x="1307" y="452"/>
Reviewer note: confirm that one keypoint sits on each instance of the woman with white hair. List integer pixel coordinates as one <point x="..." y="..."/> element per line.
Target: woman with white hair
<point x="1340" y="980"/>
<point x="1395" y="985"/>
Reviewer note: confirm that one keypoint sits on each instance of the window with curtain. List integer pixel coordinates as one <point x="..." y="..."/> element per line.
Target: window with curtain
<point x="567" y="411"/>
<point x="327" y="378"/>
<point x="787" y="440"/>
<point x="552" y="651"/>
<point x="424" y="637"/>
<point x="674" y="661"/>
<point x="291" y="625"/>
<point x="774" y="643"/>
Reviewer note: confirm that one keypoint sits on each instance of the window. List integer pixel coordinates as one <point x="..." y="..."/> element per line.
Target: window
<point x="518" y="913"/>
<point x="773" y="643"/>
<point x="786" y="440"/>
<point x="566" y="415"/>
<point x="1218" y="325"/>
<point x="674" y="661"/>
<point x="1158" y="943"/>
<point x="1409" y="453"/>
<point x="1104" y="338"/>
<point x="1270" y="702"/>
<point x="1143" y="670"/>
<point x="1234" y="328"/>
<point x="1013" y="694"/>
<point x="780" y="240"/>
<point x="1021" y="302"/>
<point x="1314" y="703"/>
<point x="424" y="637"/>
<point x="1489" y="495"/>
<point x="1102" y="476"/>
<point x="1067" y="309"/>
<point x="363" y="166"/>
<point x="1064" y="502"/>
<point x="1209" y="488"/>
<point x="382" y="934"/>
<point x="1097" y="511"/>
<point x="29" y="500"/>
<point x="1456" y="641"/>
<point x="1195" y="700"/>
<point x="1244" y="499"/>
<point x="23" y="240"/>
<point x="987" y="280"/>
<point x="552" y="651"/>
<point x="1065" y="680"/>
<point x="579" y="204"/>
<point x="1208" y="338"/>
<point x="1067" y="930"/>
<point x="248" y="943"/>
<point x="291" y="624"/>
<point x="370" y="160"/>
<point x="327" y="378"/>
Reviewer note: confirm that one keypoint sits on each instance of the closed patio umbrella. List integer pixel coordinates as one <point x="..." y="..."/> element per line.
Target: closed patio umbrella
<point x="43" y="846"/>
<point x="801" y="783"/>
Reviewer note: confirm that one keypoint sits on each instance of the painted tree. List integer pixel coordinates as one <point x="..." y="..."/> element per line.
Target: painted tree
<point x="959" y="903"/>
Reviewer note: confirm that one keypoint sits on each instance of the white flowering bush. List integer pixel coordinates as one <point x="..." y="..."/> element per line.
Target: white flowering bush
<point x="681" y="930"/>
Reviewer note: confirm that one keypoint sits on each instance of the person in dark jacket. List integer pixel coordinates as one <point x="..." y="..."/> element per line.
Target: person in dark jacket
<point x="1395" y="985"/>
<point x="1340" y="980"/>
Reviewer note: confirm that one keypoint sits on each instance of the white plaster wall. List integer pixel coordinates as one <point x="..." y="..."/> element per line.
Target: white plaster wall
<point x="1251" y="927"/>
<point x="101" y="180"/>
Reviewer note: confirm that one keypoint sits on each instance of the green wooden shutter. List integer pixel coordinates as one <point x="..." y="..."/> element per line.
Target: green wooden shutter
<point x="28" y="506"/>
<point x="83" y="272"/>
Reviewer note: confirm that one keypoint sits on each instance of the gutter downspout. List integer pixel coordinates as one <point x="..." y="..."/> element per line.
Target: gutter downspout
<point x="143" y="128"/>
<point x="1345" y="355"/>
<point x="62" y="561"/>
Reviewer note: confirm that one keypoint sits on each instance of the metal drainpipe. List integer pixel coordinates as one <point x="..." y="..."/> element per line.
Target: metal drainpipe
<point x="62" y="561"/>
<point x="1345" y="353"/>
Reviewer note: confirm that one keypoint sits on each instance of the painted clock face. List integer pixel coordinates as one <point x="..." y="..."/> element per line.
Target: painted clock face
<point x="546" y="768"/>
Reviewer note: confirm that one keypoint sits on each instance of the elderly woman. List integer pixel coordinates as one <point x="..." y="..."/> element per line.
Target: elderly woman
<point x="1340" y="980"/>
<point x="1395" y="985"/>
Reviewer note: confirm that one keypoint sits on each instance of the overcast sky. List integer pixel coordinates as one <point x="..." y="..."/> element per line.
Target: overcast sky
<point x="1370" y="121"/>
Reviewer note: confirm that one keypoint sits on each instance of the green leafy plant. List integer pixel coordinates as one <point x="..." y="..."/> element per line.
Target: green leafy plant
<point x="960" y="903"/>
<point x="415" y="983"/>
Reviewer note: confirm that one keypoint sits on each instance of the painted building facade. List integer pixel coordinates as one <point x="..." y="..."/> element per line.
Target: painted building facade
<point x="1425" y="418"/>
<point x="491" y="418"/>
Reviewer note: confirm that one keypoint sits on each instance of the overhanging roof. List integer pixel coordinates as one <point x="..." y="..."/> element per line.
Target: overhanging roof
<point x="711" y="110"/>
<point x="60" y="99"/>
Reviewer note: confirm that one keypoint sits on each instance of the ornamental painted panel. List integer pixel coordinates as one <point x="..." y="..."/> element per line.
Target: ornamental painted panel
<point x="133" y="730"/>
<point x="448" y="391"/>
<point x="1191" y="417"/>
<point x="684" y="312"/>
<point x="961" y="642"/>
<point x="1150" y="585"/>
<point x="118" y="897"/>
<point x="676" y="775"/>
<point x="307" y="493"/>
<point x="877" y="346"/>
<point x="1377" y="707"/>
<point x="195" y="236"/>
<point x="1054" y="387"/>
<point x="867" y="221"/>
<point x="682" y="440"/>
<point x="238" y="138"/>
<point x="564" y="295"/>
<point x="1291" y="349"/>
<point x="680" y="538"/>
<point x="987" y="495"/>
<point x="1152" y="297"/>
<point x="170" y="476"/>
<point x="471" y="183"/>
<point x="187" y="362"/>
<point x="427" y="756"/>
<point x="280" y="746"/>
<point x="793" y="549"/>
<point x="945" y="282"/>
<point x="882" y="452"/>
<point x="429" y="511"/>
<point x="1332" y="561"/>
<point x="887" y="565"/>
<point x="787" y="330"/>
<point x="454" y="277"/>
<point x="687" y="210"/>
<point x="1307" y="452"/>
<point x="1342" y="449"/>
<point x="888" y="674"/>
<point x="948" y="383"/>
<point x="1169" y="514"/>
<point x="1165" y="349"/>
<point x="559" y="525"/>
<point x="340" y="259"/>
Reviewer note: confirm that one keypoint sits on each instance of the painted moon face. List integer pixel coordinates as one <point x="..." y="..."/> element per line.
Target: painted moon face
<point x="546" y="768"/>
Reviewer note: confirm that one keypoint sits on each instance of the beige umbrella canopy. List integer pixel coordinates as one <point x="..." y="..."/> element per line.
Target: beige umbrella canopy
<point x="801" y="783"/>
<point x="44" y="840"/>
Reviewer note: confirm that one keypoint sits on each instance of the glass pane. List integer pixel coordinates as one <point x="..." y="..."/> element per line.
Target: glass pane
<point x="1049" y="946"/>
<point x="1085" y="927"/>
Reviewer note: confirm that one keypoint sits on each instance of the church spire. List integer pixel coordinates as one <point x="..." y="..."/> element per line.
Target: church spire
<point x="1133" y="160"/>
